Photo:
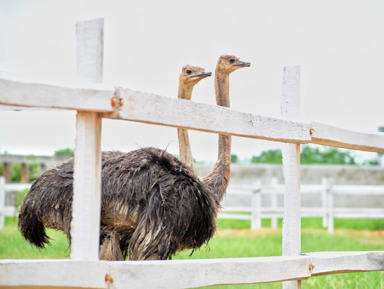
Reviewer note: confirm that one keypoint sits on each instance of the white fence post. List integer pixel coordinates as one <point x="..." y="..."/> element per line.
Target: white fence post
<point x="2" y="202"/>
<point x="86" y="208"/>
<point x="291" y="165"/>
<point x="256" y="206"/>
<point x="330" y="206"/>
<point x="274" y="206"/>
<point x="324" y="204"/>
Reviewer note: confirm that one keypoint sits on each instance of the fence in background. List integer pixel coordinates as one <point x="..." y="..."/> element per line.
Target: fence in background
<point x="93" y="103"/>
<point x="4" y="188"/>
<point x="257" y="209"/>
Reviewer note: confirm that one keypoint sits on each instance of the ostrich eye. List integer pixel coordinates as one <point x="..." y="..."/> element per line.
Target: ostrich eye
<point x="232" y="60"/>
<point x="189" y="72"/>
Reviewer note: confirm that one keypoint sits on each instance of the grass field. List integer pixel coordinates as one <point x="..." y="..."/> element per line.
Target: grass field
<point x="234" y="239"/>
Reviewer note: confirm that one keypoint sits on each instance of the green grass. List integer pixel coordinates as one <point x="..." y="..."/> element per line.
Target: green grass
<point x="350" y="235"/>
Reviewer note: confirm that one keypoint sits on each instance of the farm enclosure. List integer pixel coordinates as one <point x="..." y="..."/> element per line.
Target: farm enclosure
<point x="93" y="103"/>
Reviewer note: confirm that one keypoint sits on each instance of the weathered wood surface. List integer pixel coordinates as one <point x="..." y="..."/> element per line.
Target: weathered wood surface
<point x="152" y="274"/>
<point x="332" y="136"/>
<point x="150" y="108"/>
<point x="86" y="207"/>
<point x="90" y="50"/>
<point x="196" y="273"/>
<point x="326" y="263"/>
<point x="88" y="98"/>
<point x="290" y="107"/>
<point x="53" y="273"/>
<point x="155" y="109"/>
<point x="184" y="273"/>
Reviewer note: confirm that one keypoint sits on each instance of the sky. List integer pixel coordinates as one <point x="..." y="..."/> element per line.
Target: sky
<point x="339" y="45"/>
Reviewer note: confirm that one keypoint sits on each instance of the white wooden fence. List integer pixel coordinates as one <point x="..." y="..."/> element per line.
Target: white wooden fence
<point x="257" y="210"/>
<point x="94" y="103"/>
<point x="8" y="187"/>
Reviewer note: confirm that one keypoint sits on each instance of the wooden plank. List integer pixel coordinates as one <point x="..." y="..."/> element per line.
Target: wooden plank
<point x="86" y="207"/>
<point x="90" y="50"/>
<point x="290" y="107"/>
<point x="196" y="273"/>
<point x="23" y="94"/>
<point x="184" y="273"/>
<point x="155" y="109"/>
<point x="53" y="273"/>
<point x="326" y="263"/>
<point x="332" y="136"/>
<point x="152" y="274"/>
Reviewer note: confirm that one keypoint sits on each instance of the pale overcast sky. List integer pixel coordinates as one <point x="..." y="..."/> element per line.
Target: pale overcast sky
<point x="339" y="45"/>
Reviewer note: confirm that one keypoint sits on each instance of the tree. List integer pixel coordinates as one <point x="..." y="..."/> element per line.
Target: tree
<point x="309" y="155"/>
<point x="268" y="157"/>
<point x="234" y="159"/>
<point x="66" y="151"/>
<point x="329" y="155"/>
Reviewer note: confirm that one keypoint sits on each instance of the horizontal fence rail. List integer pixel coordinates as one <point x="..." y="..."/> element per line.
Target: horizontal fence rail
<point x="325" y="209"/>
<point x="173" y="274"/>
<point x="155" y="109"/>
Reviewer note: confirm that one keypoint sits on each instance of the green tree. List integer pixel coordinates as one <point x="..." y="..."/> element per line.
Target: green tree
<point x="234" y="159"/>
<point x="268" y="157"/>
<point x="309" y="155"/>
<point x="66" y="151"/>
<point x="15" y="172"/>
<point x="329" y="155"/>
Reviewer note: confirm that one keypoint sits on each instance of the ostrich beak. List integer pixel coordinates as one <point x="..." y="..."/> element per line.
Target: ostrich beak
<point x="203" y="75"/>
<point x="243" y="64"/>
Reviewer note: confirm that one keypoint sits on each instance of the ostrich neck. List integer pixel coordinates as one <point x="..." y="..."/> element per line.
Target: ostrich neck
<point x="218" y="179"/>
<point x="184" y="144"/>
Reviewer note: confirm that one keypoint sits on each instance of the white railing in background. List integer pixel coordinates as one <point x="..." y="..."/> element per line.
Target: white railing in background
<point x="94" y="103"/>
<point x="257" y="210"/>
<point x="8" y="187"/>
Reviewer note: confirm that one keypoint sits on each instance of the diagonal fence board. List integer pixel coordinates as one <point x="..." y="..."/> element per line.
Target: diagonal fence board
<point x="324" y="134"/>
<point x="326" y="263"/>
<point x="156" y="109"/>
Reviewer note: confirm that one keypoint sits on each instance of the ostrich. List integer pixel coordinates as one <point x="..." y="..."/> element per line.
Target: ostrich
<point x="152" y="204"/>
<point x="218" y="179"/>
<point x="189" y="77"/>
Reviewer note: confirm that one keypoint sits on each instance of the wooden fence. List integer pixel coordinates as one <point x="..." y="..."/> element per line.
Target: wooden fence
<point x="93" y="103"/>
<point x="257" y="209"/>
<point x="5" y="187"/>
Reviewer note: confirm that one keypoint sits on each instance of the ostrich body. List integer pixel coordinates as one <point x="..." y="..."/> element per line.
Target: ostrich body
<point x="189" y="77"/>
<point x="152" y="204"/>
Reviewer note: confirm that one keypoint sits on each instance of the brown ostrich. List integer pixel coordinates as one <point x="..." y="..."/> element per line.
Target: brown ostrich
<point x="152" y="204"/>
<point x="218" y="179"/>
<point x="189" y="77"/>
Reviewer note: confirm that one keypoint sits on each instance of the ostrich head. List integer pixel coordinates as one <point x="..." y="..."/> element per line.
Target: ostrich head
<point x="191" y="75"/>
<point x="229" y="63"/>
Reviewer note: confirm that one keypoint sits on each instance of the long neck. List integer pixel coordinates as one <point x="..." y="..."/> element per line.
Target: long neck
<point x="184" y="144"/>
<point x="218" y="179"/>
